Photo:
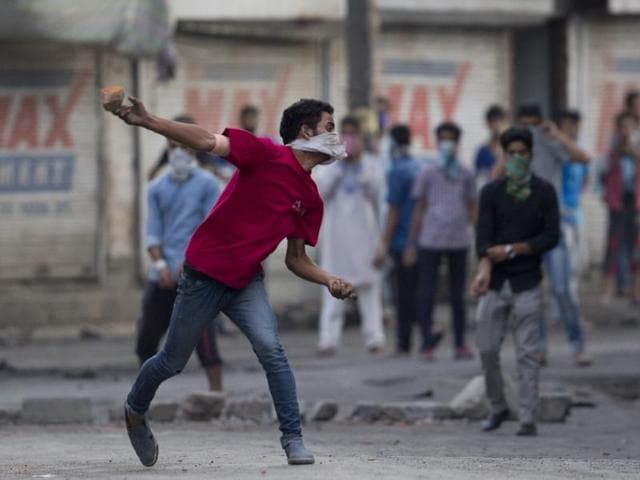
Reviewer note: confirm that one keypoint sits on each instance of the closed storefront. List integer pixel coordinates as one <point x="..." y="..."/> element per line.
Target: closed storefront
<point x="435" y="74"/>
<point x="48" y="162"/>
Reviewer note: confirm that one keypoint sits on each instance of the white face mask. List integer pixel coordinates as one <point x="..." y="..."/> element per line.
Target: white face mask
<point x="182" y="163"/>
<point x="328" y="143"/>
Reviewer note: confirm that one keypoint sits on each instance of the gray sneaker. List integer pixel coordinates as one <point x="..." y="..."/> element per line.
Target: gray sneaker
<point x="296" y="452"/>
<point x="141" y="437"/>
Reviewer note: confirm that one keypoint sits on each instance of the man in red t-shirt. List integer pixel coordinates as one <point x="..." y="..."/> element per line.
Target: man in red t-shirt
<point x="270" y="197"/>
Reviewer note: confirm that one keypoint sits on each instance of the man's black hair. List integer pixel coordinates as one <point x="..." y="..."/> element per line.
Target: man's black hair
<point x="495" y="112"/>
<point x="249" y="110"/>
<point x="449" y="127"/>
<point x="517" y="134"/>
<point x="529" y="110"/>
<point x="401" y="135"/>
<point x="569" y="114"/>
<point x="630" y="98"/>
<point x="352" y="121"/>
<point x="307" y="112"/>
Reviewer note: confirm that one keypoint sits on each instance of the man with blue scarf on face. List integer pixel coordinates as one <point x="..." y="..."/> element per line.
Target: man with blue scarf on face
<point x="445" y="210"/>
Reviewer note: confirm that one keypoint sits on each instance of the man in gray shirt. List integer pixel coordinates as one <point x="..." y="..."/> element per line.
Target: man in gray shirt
<point x="551" y="149"/>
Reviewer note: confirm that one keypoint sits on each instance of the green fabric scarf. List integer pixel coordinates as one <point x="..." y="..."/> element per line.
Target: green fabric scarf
<point x="518" y="176"/>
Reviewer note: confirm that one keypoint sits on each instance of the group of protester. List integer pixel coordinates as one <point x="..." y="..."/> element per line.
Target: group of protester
<point x="388" y="209"/>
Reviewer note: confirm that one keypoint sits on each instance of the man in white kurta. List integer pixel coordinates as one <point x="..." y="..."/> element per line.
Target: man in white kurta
<point x="351" y="189"/>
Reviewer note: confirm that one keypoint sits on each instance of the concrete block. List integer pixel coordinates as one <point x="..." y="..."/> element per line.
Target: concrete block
<point x="204" y="406"/>
<point x="257" y="410"/>
<point x="116" y="414"/>
<point x="400" y="412"/>
<point x="9" y="416"/>
<point x="56" y="410"/>
<point x="163" y="412"/>
<point x="554" y="407"/>
<point x="471" y="402"/>
<point x="323" y="411"/>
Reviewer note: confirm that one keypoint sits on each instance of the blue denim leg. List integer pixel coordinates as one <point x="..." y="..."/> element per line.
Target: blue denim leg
<point x="251" y="311"/>
<point x="558" y="266"/>
<point x="197" y="303"/>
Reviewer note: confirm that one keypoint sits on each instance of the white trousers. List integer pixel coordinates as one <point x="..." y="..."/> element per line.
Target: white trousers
<point x="370" y="308"/>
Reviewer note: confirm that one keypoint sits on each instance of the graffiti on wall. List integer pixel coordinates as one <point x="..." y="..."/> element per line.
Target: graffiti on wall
<point x="36" y="142"/>
<point x="422" y="93"/>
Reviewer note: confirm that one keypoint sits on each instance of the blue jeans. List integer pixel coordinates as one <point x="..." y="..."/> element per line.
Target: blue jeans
<point x="558" y="266"/>
<point x="198" y="301"/>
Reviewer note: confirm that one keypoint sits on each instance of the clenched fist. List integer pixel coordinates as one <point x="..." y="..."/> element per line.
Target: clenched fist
<point x="340" y="288"/>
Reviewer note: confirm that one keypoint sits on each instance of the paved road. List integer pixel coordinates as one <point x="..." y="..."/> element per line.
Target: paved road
<point x="599" y="442"/>
<point x="438" y="451"/>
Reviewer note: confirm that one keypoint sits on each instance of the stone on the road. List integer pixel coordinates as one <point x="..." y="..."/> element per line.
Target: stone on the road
<point x="8" y="416"/>
<point x="472" y="401"/>
<point x="400" y="412"/>
<point x="163" y="411"/>
<point x="116" y="414"/>
<point x="258" y="410"/>
<point x="204" y="406"/>
<point x="554" y="407"/>
<point x="323" y="411"/>
<point x="45" y="411"/>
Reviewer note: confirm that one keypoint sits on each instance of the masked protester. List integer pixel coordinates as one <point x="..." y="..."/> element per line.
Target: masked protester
<point x="350" y="189"/>
<point x="622" y="198"/>
<point x="271" y="197"/>
<point x="177" y="203"/>
<point x="445" y="210"/>
<point x="518" y="222"/>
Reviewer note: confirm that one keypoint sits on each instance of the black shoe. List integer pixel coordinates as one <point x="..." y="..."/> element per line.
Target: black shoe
<point x="527" y="430"/>
<point x="493" y="421"/>
<point x="141" y="437"/>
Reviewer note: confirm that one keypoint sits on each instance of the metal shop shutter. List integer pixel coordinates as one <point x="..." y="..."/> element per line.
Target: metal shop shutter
<point x="442" y="74"/>
<point x="48" y="162"/>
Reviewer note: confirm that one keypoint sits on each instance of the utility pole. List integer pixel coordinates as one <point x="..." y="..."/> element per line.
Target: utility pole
<point x="359" y="53"/>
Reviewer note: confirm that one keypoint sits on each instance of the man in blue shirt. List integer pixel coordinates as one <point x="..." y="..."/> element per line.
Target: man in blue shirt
<point x="177" y="203"/>
<point x="486" y="156"/>
<point x="400" y="179"/>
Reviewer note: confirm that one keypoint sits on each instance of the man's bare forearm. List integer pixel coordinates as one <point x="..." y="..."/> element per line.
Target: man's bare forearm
<point x="306" y="269"/>
<point x="390" y="226"/>
<point x="191" y="135"/>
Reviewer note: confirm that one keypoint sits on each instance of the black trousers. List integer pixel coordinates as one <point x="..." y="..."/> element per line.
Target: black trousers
<point x="428" y="267"/>
<point x="406" y="279"/>
<point x="157" y="305"/>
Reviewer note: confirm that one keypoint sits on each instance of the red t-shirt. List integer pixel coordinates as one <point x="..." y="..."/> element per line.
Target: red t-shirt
<point x="269" y="198"/>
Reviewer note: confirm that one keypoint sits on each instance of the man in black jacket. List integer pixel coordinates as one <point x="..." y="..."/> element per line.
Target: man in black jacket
<point x="518" y="222"/>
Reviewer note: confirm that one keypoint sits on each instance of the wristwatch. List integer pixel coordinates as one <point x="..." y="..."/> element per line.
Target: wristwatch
<point x="511" y="253"/>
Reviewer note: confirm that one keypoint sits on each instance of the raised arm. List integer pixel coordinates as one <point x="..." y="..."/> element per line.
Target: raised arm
<point x="190" y="135"/>
<point x="576" y="153"/>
